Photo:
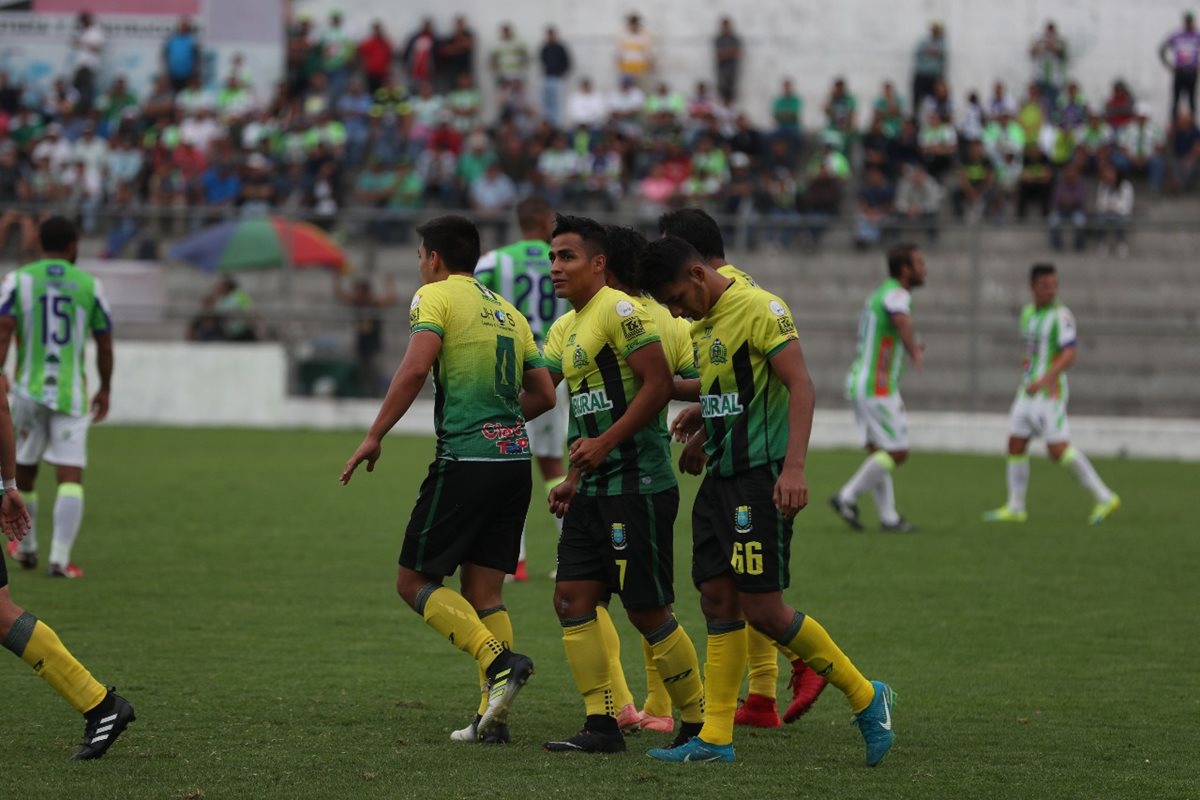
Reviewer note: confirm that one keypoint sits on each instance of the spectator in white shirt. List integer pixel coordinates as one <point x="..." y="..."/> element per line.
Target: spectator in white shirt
<point x="201" y="130"/>
<point x="586" y="107"/>
<point x="626" y="106"/>
<point x="91" y="149"/>
<point x="89" y="43"/>
<point x="53" y="147"/>
<point x="1114" y="209"/>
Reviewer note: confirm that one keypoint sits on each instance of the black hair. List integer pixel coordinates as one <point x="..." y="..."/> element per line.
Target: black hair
<point x="57" y="234"/>
<point x="625" y="248"/>
<point x="531" y="212"/>
<point x="595" y="240"/>
<point x="697" y="228"/>
<point x="663" y="261"/>
<point x="900" y="256"/>
<point x="1041" y="269"/>
<point x="455" y="239"/>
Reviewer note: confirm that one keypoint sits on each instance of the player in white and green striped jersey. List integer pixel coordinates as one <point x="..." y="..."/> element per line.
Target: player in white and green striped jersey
<point x="53" y="307"/>
<point x="1040" y="407"/>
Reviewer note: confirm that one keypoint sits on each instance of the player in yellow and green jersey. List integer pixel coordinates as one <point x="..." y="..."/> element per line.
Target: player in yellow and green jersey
<point x="53" y="307"/>
<point x="702" y="232"/>
<point x="1040" y="407"/>
<point x="620" y="498"/>
<point x="757" y="402"/>
<point x="885" y="334"/>
<point x="488" y="379"/>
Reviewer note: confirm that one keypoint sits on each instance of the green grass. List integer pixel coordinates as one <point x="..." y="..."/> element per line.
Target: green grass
<point x="245" y="604"/>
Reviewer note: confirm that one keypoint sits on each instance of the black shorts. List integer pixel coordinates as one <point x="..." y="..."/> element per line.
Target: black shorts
<point x="468" y="512"/>
<point x="3" y="572"/>
<point x="626" y="541"/>
<point x="736" y="529"/>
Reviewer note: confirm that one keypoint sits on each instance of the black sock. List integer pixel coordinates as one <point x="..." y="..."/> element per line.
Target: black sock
<point x="602" y="723"/>
<point x="687" y="730"/>
<point x="104" y="708"/>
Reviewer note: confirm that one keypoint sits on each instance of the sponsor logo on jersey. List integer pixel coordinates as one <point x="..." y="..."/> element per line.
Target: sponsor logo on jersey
<point x="580" y="358"/>
<point x="619" y="540"/>
<point x="487" y="293"/>
<point x="497" y="317"/>
<point x="718" y="353"/>
<point x="590" y="403"/>
<point x="720" y="405"/>
<point x="786" y="325"/>
<point x="742" y="521"/>
<point x="624" y="308"/>
<point x="571" y="340"/>
<point x="632" y="328"/>
<point x="510" y="439"/>
<point x="414" y="310"/>
<point x="707" y="332"/>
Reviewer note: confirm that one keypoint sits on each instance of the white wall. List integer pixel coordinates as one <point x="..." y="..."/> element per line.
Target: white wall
<point x="812" y="40"/>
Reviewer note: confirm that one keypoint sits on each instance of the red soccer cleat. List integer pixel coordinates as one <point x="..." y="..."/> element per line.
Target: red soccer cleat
<point x="26" y="560"/>
<point x="806" y="688"/>
<point x="68" y="571"/>
<point x="757" y="711"/>
<point x="521" y="575"/>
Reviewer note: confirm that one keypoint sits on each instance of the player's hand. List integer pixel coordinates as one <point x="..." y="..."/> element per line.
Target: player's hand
<point x="791" y="491"/>
<point x="693" y="459"/>
<point x="1035" y="386"/>
<point x="14" y="517"/>
<point x="687" y="422"/>
<point x="561" y="496"/>
<point x="369" y="451"/>
<point x="586" y="455"/>
<point x="100" y="406"/>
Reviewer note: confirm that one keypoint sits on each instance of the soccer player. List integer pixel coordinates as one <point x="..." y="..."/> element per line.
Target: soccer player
<point x="758" y="402"/>
<point x="488" y="379"/>
<point x="1040" y="407"/>
<point x="52" y="306"/>
<point x="621" y="497"/>
<point x="702" y="232"/>
<point x="106" y="714"/>
<point x="520" y="273"/>
<point x="885" y="333"/>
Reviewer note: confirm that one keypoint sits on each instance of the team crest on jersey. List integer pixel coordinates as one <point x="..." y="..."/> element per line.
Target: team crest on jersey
<point x="776" y="308"/>
<point x="580" y="358"/>
<point x="632" y="327"/>
<point x="619" y="540"/>
<point x="718" y="353"/>
<point x="742" y="522"/>
<point x="624" y="308"/>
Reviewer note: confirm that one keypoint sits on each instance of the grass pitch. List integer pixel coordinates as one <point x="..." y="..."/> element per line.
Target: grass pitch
<point x="244" y="603"/>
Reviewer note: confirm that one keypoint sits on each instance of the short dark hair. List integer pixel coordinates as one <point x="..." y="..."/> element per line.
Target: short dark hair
<point x="454" y="238"/>
<point x="595" y="240"/>
<point x="625" y="248"/>
<point x="531" y="212"/>
<point x="57" y="234"/>
<point x="664" y="260"/>
<point x="697" y="228"/>
<point x="900" y="256"/>
<point x="1041" y="269"/>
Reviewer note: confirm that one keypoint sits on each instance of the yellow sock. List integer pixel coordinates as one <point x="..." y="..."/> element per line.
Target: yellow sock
<point x="658" y="701"/>
<point x="723" y="667"/>
<point x="449" y="613"/>
<point x="612" y="643"/>
<point x="679" y="669"/>
<point x="497" y="621"/>
<point x="762" y="662"/>
<point x="588" y="660"/>
<point x="38" y="645"/>
<point x="812" y="643"/>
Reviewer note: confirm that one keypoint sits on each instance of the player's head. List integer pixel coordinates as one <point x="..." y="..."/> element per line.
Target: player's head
<point x="59" y="238"/>
<point x="698" y="229"/>
<point x="535" y="218"/>
<point x="906" y="263"/>
<point x="625" y="248"/>
<point x="448" y="244"/>
<point x="676" y="275"/>
<point x="578" y="255"/>
<point x="1043" y="283"/>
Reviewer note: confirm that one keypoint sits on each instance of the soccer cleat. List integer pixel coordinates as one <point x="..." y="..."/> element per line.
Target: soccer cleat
<point x="901" y="525"/>
<point x="26" y="560"/>
<point x="628" y="719"/>
<point x="103" y="724"/>
<point x="806" y="686"/>
<point x="696" y="749"/>
<point x="499" y="735"/>
<point x="60" y="571"/>
<point x="521" y="575"/>
<point x="650" y="722"/>
<point x="467" y="734"/>
<point x="875" y="723"/>
<point x="588" y="742"/>
<point x="1102" y="511"/>
<point x="506" y="677"/>
<point x="847" y="511"/>
<point x="757" y="711"/>
<point x="1004" y="514"/>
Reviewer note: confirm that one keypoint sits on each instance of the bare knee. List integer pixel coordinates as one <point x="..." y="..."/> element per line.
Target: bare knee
<point x="9" y="612"/>
<point x="1057" y="450"/>
<point x="577" y="599"/>
<point x="768" y="614"/>
<point x="1017" y="446"/>
<point x="719" y="600"/>
<point x="409" y="584"/>
<point x="482" y="586"/>
<point x="648" y="620"/>
<point x="899" y="456"/>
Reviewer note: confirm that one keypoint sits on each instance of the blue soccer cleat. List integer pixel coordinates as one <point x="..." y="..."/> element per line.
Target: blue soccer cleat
<point x="875" y="723"/>
<point x="696" y="749"/>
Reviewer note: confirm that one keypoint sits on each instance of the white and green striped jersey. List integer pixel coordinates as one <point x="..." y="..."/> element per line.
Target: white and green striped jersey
<point x="520" y="273"/>
<point x="880" y="356"/>
<point x="55" y="306"/>
<point x="1047" y="332"/>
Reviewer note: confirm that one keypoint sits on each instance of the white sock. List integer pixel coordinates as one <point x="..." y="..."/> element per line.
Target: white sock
<point x="873" y="469"/>
<point x="521" y="555"/>
<point x="1018" y="482"/>
<point x="1079" y="466"/>
<point x="29" y="543"/>
<point x="885" y="500"/>
<point x="68" y="515"/>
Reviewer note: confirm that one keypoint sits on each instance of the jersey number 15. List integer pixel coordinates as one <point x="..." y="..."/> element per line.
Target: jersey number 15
<point x="58" y="307"/>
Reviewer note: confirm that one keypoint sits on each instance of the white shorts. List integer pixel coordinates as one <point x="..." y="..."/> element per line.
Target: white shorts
<point x="44" y="433"/>
<point x="1039" y="416"/>
<point x="548" y="433"/>
<point x="882" y="422"/>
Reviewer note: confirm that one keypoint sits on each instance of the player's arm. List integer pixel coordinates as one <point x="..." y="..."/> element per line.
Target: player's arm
<point x="908" y="337"/>
<point x="1060" y="364"/>
<point x="7" y="326"/>
<point x="537" y="392"/>
<point x="791" y="490"/>
<point x="104" y="365"/>
<point x="685" y="389"/>
<point x="423" y="349"/>
<point x="14" y="518"/>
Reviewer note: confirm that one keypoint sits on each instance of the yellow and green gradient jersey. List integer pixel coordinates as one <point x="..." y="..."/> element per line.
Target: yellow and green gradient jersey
<point x="589" y="348"/>
<point x="520" y="273"/>
<point x="55" y="306"/>
<point x="477" y="376"/>
<point x="1047" y="332"/>
<point x="880" y="356"/>
<point x="743" y="403"/>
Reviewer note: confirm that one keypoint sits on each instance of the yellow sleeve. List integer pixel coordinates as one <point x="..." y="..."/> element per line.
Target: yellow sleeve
<point x="552" y="349"/>
<point x="430" y="311"/>
<point x="771" y="326"/>
<point x="683" y="357"/>
<point x="628" y="325"/>
<point x="533" y="359"/>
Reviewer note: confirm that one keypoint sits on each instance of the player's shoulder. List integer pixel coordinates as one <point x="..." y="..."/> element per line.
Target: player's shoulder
<point x="610" y="302"/>
<point x="736" y="274"/>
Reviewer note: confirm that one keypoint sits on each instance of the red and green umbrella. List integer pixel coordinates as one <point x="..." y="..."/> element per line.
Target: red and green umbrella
<point x="260" y="243"/>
